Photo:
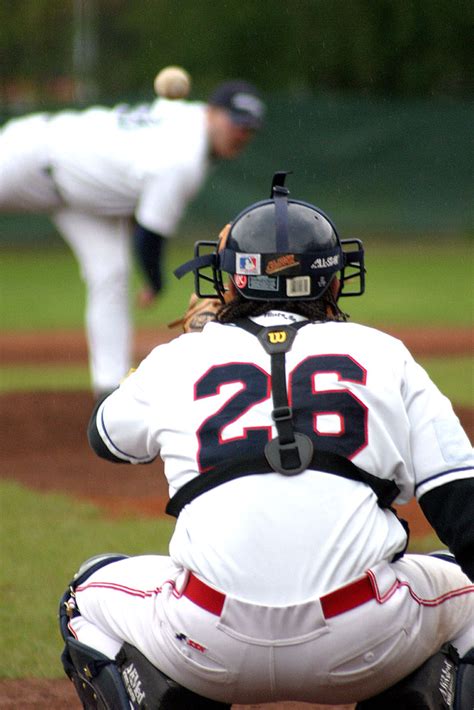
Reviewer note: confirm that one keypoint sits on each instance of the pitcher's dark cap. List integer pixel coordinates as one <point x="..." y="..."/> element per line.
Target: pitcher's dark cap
<point x="242" y="100"/>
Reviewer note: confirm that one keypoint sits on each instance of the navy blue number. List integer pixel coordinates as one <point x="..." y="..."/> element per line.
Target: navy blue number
<point x="350" y="434"/>
<point x="255" y="387"/>
<point x="349" y="437"/>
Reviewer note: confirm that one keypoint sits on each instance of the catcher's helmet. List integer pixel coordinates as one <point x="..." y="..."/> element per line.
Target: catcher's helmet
<point x="278" y="249"/>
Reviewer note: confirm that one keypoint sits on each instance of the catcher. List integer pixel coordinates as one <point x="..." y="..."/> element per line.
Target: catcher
<point x="287" y="433"/>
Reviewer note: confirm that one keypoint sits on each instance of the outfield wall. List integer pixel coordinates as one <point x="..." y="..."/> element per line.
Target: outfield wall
<point x="379" y="166"/>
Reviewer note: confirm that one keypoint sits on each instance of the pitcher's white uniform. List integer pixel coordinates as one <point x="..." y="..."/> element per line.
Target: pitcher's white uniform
<point x="92" y="171"/>
<point x="267" y="616"/>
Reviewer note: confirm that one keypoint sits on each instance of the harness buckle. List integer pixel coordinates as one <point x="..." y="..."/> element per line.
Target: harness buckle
<point x="281" y="414"/>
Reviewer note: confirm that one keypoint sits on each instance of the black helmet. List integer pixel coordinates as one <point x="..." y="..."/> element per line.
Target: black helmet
<point x="276" y="250"/>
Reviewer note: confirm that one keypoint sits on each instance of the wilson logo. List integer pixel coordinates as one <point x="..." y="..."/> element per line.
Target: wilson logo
<point x="277" y="336"/>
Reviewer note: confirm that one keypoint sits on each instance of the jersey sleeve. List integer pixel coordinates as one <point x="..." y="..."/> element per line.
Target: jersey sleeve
<point x="440" y="449"/>
<point x="122" y="420"/>
<point x="164" y="199"/>
<point x="174" y="168"/>
<point x="149" y="251"/>
<point x="450" y="510"/>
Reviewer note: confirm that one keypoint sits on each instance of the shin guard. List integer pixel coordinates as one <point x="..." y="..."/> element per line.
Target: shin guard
<point x="432" y="686"/>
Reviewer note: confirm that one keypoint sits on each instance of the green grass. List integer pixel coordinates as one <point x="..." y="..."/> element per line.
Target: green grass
<point x="18" y="378"/>
<point x="408" y="283"/>
<point x="44" y="539"/>
<point x="454" y="377"/>
<point x="417" y="284"/>
<point x="42" y="289"/>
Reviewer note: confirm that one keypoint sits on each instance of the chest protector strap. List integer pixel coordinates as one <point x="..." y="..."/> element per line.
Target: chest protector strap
<point x="290" y="452"/>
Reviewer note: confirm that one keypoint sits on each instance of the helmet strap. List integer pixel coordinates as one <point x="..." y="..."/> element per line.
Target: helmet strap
<point x="280" y="198"/>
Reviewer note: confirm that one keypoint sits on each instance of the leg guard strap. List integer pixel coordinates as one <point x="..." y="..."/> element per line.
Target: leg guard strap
<point x="93" y="564"/>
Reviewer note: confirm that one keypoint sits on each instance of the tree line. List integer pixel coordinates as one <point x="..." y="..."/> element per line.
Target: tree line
<point x="403" y="48"/>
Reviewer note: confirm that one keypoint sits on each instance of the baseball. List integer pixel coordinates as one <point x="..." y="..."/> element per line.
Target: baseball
<point x="172" y="83"/>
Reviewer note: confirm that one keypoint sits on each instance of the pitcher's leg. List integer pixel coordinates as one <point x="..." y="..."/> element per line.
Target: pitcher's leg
<point x="102" y="248"/>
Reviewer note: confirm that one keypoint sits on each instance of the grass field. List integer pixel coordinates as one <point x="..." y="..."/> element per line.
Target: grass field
<point x="408" y="282"/>
<point x="44" y="539"/>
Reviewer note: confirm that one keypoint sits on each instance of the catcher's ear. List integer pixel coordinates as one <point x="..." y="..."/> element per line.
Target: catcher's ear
<point x="223" y="234"/>
<point x="335" y="287"/>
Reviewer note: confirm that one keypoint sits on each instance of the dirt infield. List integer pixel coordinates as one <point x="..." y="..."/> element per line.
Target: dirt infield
<point x="41" y="694"/>
<point x="44" y="447"/>
<point x="69" y="346"/>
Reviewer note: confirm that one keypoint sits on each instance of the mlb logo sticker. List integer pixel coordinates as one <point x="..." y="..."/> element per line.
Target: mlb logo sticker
<point x="248" y="264"/>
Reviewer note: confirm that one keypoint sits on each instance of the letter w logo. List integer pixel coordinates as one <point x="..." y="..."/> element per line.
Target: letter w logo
<point x="277" y="336"/>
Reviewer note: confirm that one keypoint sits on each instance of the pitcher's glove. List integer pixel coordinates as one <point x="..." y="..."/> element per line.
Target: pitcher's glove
<point x="199" y="312"/>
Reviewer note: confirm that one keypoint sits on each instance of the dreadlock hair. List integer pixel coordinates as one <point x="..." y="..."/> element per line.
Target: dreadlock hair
<point x="322" y="309"/>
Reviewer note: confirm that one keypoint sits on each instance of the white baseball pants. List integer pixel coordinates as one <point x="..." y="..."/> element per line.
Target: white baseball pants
<point x="248" y="653"/>
<point x="102" y="248"/>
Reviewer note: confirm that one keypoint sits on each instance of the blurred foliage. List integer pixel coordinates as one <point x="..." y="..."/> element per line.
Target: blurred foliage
<point x="112" y="47"/>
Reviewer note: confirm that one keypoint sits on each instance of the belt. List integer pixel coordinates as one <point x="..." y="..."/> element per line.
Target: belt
<point x="337" y="602"/>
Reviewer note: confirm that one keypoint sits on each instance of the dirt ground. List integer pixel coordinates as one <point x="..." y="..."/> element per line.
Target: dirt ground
<point x="44" y="446"/>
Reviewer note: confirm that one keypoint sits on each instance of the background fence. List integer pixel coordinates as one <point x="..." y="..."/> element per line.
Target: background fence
<point x="382" y="166"/>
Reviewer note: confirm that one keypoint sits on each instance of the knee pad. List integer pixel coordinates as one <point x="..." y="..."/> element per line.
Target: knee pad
<point x="432" y="686"/>
<point x="149" y="688"/>
<point x="96" y="678"/>
<point x="67" y="606"/>
<point x="130" y="682"/>
<point x="465" y="683"/>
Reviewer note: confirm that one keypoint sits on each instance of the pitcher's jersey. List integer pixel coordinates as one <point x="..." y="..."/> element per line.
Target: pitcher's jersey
<point x="148" y="162"/>
<point x="274" y="539"/>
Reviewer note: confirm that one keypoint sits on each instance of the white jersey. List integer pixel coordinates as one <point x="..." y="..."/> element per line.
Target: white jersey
<point x="269" y="538"/>
<point x="147" y="162"/>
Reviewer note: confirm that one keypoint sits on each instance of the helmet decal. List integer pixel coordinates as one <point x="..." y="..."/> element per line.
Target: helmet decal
<point x="260" y="283"/>
<point x="298" y="287"/>
<point x="247" y="263"/>
<point x="284" y="263"/>
<point x="240" y="281"/>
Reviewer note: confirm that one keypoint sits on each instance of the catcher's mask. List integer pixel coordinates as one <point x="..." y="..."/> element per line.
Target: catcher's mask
<point x="278" y="249"/>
